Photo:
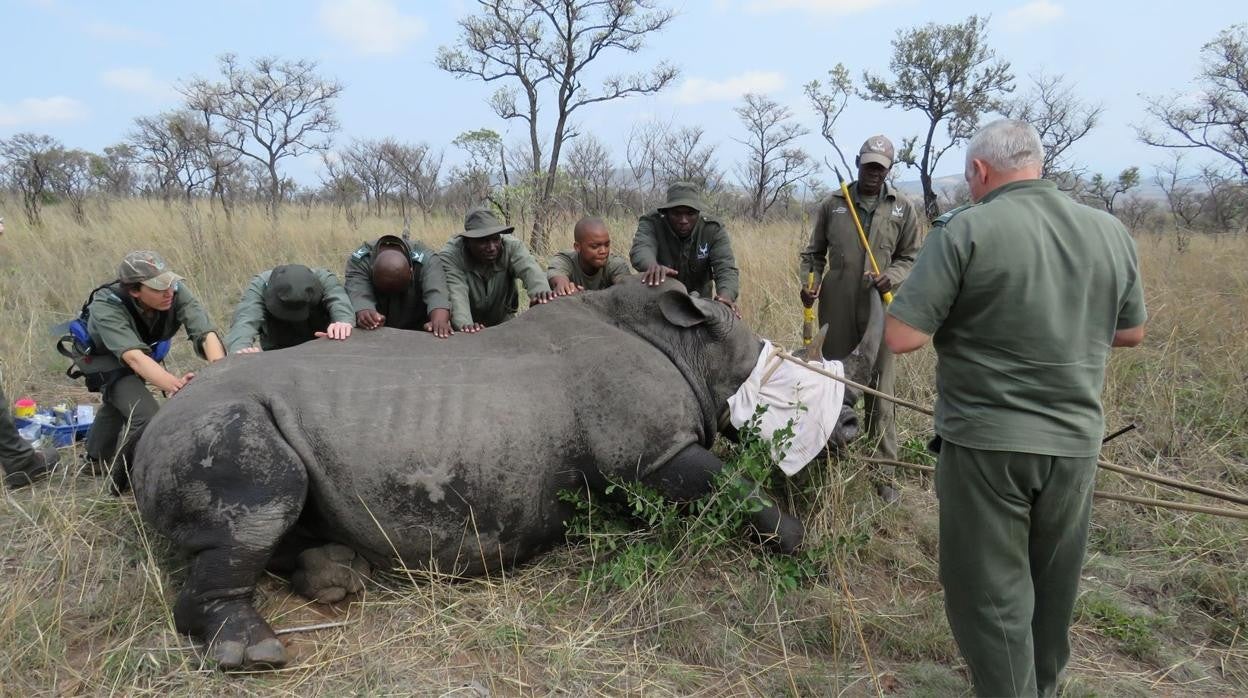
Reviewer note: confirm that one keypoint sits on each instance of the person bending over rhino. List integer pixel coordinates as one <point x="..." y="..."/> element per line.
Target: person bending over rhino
<point x="589" y="265"/>
<point x="482" y="266"/>
<point x="394" y="283"/>
<point x="287" y="306"/>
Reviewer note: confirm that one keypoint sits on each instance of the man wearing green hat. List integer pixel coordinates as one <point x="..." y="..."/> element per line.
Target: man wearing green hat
<point x="679" y="240"/>
<point x="287" y="306"/>
<point x="482" y="265"/>
<point x="146" y="306"/>
<point x="399" y="284"/>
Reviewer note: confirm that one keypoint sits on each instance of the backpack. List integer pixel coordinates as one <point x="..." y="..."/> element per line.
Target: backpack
<point x="98" y="367"/>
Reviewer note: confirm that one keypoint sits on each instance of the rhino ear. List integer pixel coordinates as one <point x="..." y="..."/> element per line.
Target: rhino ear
<point x="681" y="310"/>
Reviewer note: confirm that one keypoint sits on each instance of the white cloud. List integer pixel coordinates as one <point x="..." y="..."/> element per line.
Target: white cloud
<point x="1032" y="15"/>
<point x="698" y="90"/>
<point x="372" y="27"/>
<point x="41" y="111"/>
<point x="138" y="81"/>
<point x="824" y="7"/>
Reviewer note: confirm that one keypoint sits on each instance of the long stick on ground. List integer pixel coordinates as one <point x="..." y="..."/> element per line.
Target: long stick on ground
<point x="1122" y="470"/>
<point x="1181" y="506"/>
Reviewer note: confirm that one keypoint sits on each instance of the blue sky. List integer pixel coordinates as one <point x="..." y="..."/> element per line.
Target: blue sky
<point x="81" y="71"/>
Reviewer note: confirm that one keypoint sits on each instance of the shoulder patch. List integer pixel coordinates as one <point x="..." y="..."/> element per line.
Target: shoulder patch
<point x="945" y="217"/>
<point x="418" y="256"/>
<point x="361" y="253"/>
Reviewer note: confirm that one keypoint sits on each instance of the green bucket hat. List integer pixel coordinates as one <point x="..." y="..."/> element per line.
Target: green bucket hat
<point x="292" y="291"/>
<point x="683" y="194"/>
<point x="482" y="223"/>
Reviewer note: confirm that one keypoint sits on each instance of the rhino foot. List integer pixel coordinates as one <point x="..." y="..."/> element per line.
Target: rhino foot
<point x="234" y="633"/>
<point x="776" y="529"/>
<point x="329" y="573"/>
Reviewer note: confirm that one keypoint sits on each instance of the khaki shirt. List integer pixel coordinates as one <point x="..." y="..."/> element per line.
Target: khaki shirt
<point x="566" y="264"/>
<point x="252" y="320"/>
<point x="487" y="294"/>
<point x="405" y="311"/>
<point x="113" y="328"/>
<point x="703" y="261"/>
<point x="1022" y="294"/>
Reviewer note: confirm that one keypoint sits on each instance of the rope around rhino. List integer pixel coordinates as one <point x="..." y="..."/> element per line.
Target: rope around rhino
<point x="1121" y="470"/>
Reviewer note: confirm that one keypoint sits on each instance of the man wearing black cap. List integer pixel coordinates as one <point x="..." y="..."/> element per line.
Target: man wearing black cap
<point x="893" y="226"/>
<point x="128" y="319"/>
<point x="679" y="240"/>
<point x="289" y="305"/>
<point x="398" y="284"/>
<point x="482" y="265"/>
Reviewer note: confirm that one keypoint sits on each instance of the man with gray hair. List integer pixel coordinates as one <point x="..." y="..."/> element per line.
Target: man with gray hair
<point x="1022" y="294"/>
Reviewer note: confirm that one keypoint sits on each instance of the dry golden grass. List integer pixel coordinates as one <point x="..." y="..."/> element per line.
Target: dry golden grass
<point x="85" y="589"/>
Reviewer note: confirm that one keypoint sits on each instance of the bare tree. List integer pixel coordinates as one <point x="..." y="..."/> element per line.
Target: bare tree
<point x="831" y="104"/>
<point x="1183" y="201"/>
<point x="167" y="145"/>
<point x="775" y="162"/>
<point x="28" y="162"/>
<point x="539" y="52"/>
<point x="270" y="111"/>
<point x="1060" y="117"/>
<point x="947" y="72"/>
<point x="1104" y="191"/>
<point x="592" y="173"/>
<point x="416" y="171"/>
<point x="339" y="187"/>
<point x="1215" y="119"/>
<point x="1225" y="199"/>
<point x="366" y="162"/>
<point x="70" y="179"/>
<point x="486" y="159"/>
<point x="113" y="171"/>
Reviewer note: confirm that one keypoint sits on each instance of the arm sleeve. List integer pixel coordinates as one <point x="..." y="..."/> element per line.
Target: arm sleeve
<point x="358" y="282"/>
<point x="112" y="324"/>
<point x="815" y="256"/>
<point x="194" y="318"/>
<point x="524" y="265"/>
<point x="643" y="254"/>
<point x="335" y="298"/>
<point x="724" y="266"/>
<point x="457" y="289"/>
<point x="907" y="248"/>
<point x="1131" y="310"/>
<point x="248" y="318"/>
<point x="932" y="288"/>
<point x="617" y="269"/>
<point x="559" y="265"/>
<point x="435" y="289"/>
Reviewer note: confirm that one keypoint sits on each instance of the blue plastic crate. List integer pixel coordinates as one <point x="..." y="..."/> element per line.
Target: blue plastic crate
<point x="61" y="435"/>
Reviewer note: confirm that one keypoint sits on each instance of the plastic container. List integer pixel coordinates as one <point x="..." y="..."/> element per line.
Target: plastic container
<point x="24" y="408"/>
<point x="61" y="435"/>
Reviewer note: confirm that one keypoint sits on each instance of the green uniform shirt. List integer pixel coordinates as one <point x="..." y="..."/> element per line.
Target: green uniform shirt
<point x="405" y="311"/>
<point x="113" y="329"/>
<point x="487" y="294"/>
<point x="894" y="229"/>
<point x="703" y="261"/>
<point x="566" y="264"/>
<point x="1022" y="294"/>
<point x="252" y="321"/>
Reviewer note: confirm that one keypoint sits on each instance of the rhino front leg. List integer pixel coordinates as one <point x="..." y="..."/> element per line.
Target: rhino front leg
<point x="691" y="474"/>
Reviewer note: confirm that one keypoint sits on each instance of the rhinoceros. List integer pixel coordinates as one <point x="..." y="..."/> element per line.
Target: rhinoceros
<point x="446" y="455"/>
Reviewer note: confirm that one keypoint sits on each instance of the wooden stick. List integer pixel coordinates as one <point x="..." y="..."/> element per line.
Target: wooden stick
<point x="1199" y="489"/>
<point x="310" y="628"/>
<point x="870" y="391"/>
<point x="1181" y="506"/>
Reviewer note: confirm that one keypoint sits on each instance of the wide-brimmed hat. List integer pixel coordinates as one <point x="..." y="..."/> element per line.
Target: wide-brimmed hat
<point x="147" y="268"/>
<point x="683" y="194"/>
<point x="877" y="149"/>
<point x="292" y="291"/>
<point x="482" y="223"/>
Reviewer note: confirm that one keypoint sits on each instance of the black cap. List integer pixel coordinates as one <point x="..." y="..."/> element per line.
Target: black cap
<point x="292" y="291"/>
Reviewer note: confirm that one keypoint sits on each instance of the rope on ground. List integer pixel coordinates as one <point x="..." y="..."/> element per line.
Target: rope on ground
<point x="1121" y="470"/>
<point x="1181" y="506"/>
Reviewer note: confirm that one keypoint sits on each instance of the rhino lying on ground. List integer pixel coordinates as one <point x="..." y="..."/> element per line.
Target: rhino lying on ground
<point x="446" y="455"/>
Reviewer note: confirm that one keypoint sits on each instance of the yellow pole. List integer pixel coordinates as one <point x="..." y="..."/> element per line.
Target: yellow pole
<point x="862" y="236"/>
<point x="808" y="314"/>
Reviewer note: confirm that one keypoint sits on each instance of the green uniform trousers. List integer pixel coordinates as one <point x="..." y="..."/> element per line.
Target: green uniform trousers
<point x="15" y="453"/>
<point x="1013" y="531"/>
<point x="128" y="407"/>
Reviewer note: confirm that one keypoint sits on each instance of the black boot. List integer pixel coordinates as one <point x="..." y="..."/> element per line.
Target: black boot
<point x="41" y="462"/>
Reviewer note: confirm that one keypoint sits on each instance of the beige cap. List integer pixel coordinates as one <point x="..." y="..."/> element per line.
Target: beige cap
<point x="147" y="268"/>
<point x="876" y="149"/>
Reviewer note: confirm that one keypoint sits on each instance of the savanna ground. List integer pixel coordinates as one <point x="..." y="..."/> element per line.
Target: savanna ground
<point x="85" y="589"/>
